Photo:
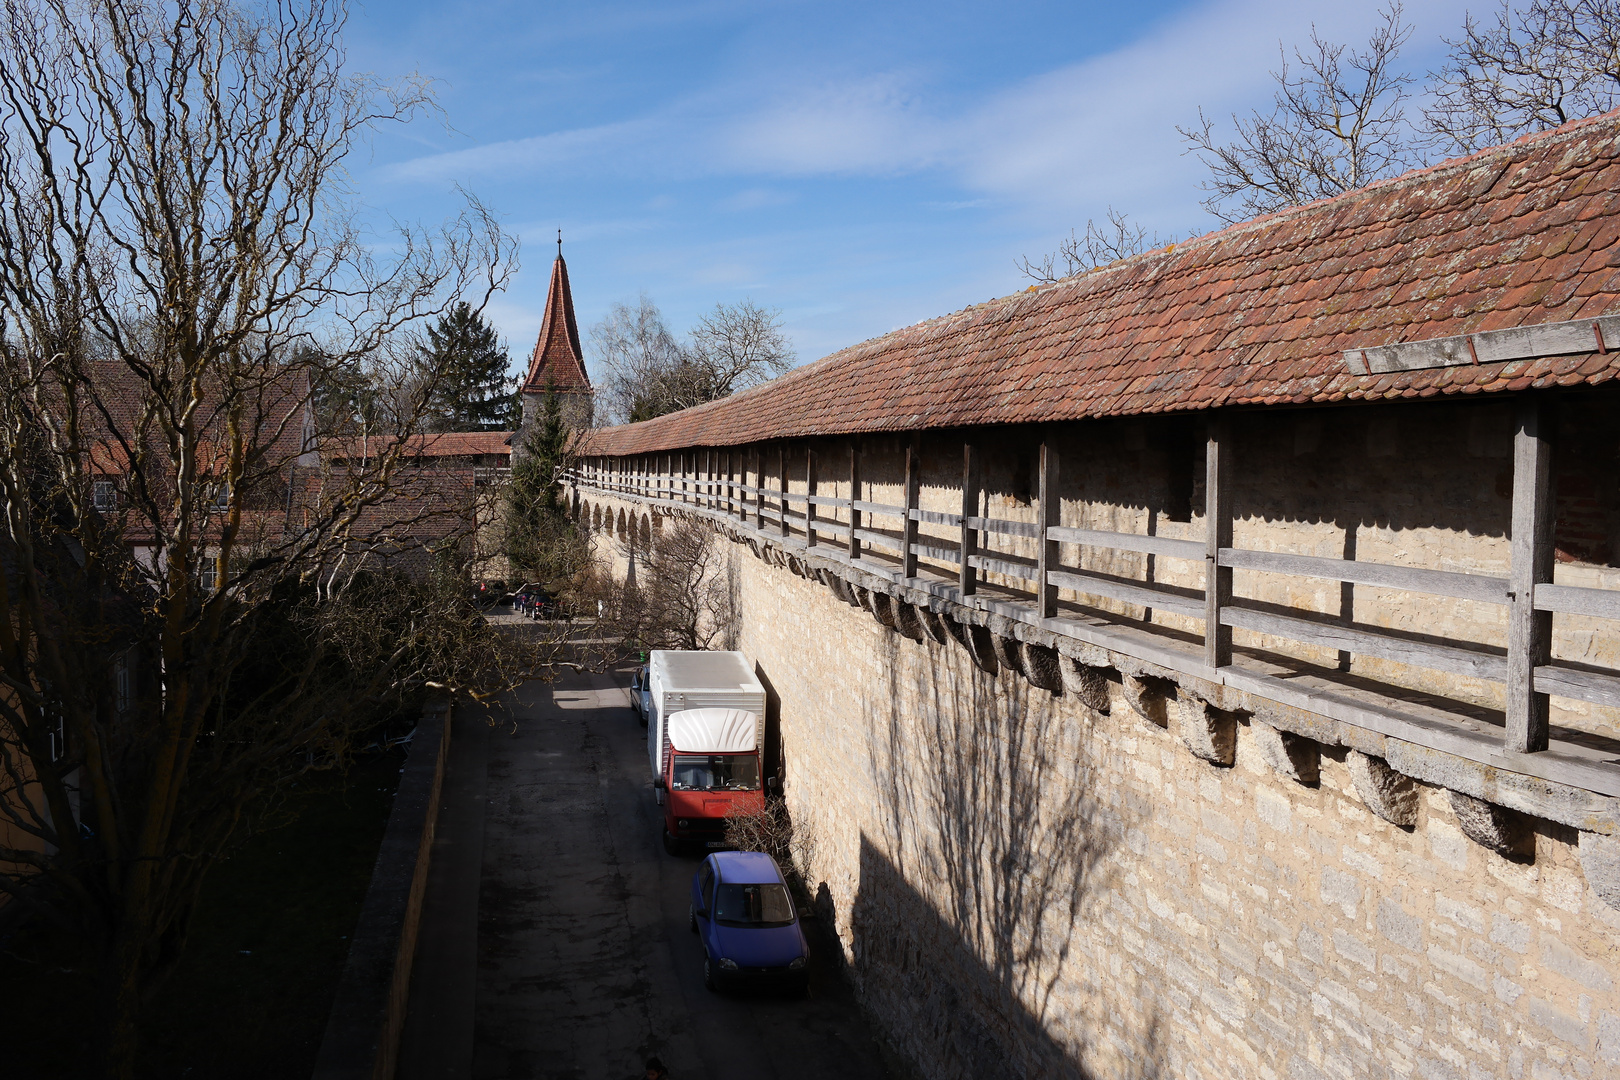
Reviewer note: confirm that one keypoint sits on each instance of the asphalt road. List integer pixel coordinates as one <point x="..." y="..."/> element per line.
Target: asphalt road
<point x="554" y="939"/>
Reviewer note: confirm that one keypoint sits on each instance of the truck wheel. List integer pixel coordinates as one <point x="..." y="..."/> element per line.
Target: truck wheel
<point x="708" y="975"/>
<point x="672" y="846"/>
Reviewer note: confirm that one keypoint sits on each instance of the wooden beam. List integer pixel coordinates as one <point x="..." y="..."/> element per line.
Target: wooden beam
<point x="1575" y="600"/>
<point x="908" y="527"/>
<point x="968" y="546"/>
<point x="810" y="493"/>
<point x="1050" y="510"/>
<point x="781" y="472"/>
<point x="1529" y="630"/>
<point x="1217" y="534"/>
<point x="854" y="497"/>
<point x="1190" y="550"/>
<point x="1490" y="590"/>
<point x="759" y="489"/>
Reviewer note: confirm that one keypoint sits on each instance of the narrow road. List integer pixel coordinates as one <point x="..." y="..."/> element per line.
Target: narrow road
<point x="554" y="938"/>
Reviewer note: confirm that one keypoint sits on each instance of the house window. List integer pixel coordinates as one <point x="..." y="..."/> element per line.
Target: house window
<point x="222" y="496"/>
<point x="104" y="496"/>
<point x="208" y="574"/>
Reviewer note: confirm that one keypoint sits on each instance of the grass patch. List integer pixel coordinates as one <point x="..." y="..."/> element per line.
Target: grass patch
<point x="266" y="950"/>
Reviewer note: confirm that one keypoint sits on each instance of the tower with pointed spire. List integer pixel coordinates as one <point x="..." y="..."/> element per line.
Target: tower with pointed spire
<point x="557" y="364"/>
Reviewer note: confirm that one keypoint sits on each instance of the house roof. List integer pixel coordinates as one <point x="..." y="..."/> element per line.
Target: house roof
<point x="557" y="360"/>
<point x="1260" y="313"/>
<point x="436" y="444"/>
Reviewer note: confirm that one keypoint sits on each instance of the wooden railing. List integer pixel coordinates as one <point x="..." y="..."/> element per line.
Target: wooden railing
<point x="711" y="482"/>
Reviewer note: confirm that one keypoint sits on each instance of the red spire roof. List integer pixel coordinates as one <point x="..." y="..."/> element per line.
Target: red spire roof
<point x="557" y="357"/>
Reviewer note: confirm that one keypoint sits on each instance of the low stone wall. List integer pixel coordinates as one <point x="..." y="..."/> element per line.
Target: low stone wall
<point x="368" y="1013"/>
<point x="1068" y="869"/>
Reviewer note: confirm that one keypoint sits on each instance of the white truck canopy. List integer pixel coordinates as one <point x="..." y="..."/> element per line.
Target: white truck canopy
<point x="713" y="731"/>
<point x="702" y="682"/>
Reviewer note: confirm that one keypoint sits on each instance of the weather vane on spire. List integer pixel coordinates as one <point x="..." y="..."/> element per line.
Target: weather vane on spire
<point x="559" y="243"/>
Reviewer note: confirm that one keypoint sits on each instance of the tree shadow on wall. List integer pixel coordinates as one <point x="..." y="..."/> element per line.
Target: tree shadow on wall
<point x="990" y="866"/>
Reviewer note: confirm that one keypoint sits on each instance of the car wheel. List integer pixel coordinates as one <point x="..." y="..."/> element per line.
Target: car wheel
<point x="708" y="975"/>
<point x="672" y="846"/>
<point x="691" y="918"/>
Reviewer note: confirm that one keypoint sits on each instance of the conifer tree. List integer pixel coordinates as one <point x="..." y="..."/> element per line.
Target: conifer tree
<point x="474" y="392"/>
<point x="542" y="543"/>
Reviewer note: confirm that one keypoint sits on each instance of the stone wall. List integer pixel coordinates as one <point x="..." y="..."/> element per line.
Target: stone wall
<point x="1029" y="883"/>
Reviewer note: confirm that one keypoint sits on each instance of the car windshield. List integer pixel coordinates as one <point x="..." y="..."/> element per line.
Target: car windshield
<point x="716" y="772"/>
<point x="753" y="905"/>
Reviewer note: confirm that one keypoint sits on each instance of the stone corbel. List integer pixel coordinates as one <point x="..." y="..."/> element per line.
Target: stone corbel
<point x="977" y="641"/>
<point x="1086" y="682"/>
<point x="1391" y="795"/>
<point x="1209" y="733"/>
<point x="1503" y="831"/>
<point x="1294" y="756"/>
<point x="1148" y="698"/>
<point x="1042" y="668"/>
<point x="907" y="621"/>
<point x="883" y="609"/>
<point x="1007" y="652"/>
<point x="1600" y="859"/>
<point x="934" y="623"/>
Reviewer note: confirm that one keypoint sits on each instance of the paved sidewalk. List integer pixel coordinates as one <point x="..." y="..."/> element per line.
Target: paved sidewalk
<point x="554" y="939"/>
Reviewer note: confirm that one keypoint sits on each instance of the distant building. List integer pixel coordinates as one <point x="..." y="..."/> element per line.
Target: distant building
<point x="557" y="364"/>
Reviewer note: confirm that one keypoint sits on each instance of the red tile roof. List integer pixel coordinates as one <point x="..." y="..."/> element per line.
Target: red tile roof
<point x="1258" y="313"/>
<point x="557" y="359"/>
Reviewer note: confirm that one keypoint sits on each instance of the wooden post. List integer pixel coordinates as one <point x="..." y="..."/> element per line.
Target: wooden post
<point x="908" y="525"/>
<point x="1529" y="630"/>
<point x="781" y="473"/>
<point x="809" y="493"/>
<point x="1051" y="515"/>
<point x="854" y="496"/>
<point x="759" y="489"/>
<point x="1217" y="534"/>
<point x="967" y="574"/>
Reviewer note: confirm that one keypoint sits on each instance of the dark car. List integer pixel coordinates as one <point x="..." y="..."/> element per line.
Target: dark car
<point x="744" y="915"/>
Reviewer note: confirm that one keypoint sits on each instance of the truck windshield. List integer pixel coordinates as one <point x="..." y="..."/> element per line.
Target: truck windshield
<point x="753" y="905"/>
<point x="716" y="772"/>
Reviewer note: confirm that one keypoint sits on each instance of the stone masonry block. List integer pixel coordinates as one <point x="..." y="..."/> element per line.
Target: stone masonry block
<point x="1293" y="756"/>
<point x="907" y="621"/>
<point x="1149" y="698"/>
<point x="1502" y="830"/>
<point x="1600" y="858"/>
<point x="1007" y="653"/>
<point x="1086" y="683"/>
<point x="1208" y="733"/>
<point x="1387" y="793"/>
<point x="1041" y="667"/>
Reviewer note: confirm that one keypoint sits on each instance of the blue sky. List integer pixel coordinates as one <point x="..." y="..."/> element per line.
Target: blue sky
<point x="860" y="166"/>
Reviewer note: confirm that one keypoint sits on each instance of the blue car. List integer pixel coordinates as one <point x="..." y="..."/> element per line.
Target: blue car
<point x="744" y="915"/>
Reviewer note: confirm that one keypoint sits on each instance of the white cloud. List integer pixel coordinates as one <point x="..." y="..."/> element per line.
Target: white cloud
<point x="1079" y="138"/>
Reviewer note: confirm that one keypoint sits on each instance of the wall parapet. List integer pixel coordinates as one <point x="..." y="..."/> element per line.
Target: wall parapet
<point x="1174" y="677"/>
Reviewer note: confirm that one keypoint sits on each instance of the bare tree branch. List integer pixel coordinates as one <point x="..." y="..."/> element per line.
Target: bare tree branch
<point x="1556" y="61"/>
<point x="1098" y="247"/>
<point x="1338" y="125"/>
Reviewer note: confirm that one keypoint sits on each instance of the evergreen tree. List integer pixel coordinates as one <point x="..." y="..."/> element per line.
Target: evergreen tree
<point x="475" y="393"/>
<point x="541" y="543"/>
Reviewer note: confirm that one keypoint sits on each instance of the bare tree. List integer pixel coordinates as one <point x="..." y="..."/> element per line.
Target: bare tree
<point x="1558" y="60"/>
<point x="734" y="347"/>
<point x="646" y="372"/>
<point x="683" y="596"/>
<point x="1098" y="247"/>
<point x="190" y="609"/>
<point x="1338" y="125"/>
<point x="635" y="352"/>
